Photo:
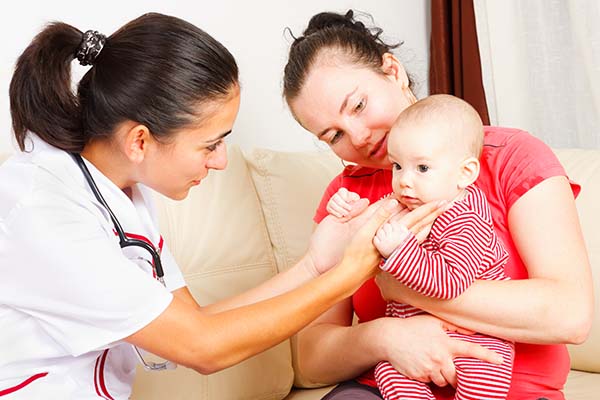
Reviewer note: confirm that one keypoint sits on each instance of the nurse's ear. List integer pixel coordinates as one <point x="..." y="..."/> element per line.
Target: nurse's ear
<point x="137" y="140"/>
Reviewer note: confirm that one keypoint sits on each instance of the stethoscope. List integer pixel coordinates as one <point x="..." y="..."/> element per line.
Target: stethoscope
<point x="124" y="241"/>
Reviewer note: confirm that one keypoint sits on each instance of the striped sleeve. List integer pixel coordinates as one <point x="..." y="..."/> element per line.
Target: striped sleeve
<point x="446" y="269"/>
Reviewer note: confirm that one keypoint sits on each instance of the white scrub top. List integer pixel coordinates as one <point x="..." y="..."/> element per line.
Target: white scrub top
<point x="68" y="292"/>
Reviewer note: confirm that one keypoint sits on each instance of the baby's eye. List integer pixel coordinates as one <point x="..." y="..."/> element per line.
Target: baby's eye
<point x="396" y="166"/>
<point x="423" y="168"/>
<point x="360" y="105"/>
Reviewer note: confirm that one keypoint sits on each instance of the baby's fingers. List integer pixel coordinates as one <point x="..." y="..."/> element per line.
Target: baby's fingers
<point x="336" y="209"/>
<point x="358" y="207"/>
<point x="352" y="197"/>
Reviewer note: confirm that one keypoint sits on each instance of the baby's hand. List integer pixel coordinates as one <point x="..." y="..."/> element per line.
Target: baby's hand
<point x="389" y="236"/>
<point x="345" y="204"/>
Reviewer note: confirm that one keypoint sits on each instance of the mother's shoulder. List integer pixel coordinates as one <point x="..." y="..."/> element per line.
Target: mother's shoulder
<point x="498" y="136"/>
<point x="503" y="138"/>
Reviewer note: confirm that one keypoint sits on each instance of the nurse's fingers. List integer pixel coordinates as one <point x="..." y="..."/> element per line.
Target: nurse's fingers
<point x="422" y="217"/>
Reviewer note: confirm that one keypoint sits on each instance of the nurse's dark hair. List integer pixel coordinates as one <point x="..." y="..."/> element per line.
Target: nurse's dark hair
<point x="341" y="35"/>
<point x="156" y="70"/>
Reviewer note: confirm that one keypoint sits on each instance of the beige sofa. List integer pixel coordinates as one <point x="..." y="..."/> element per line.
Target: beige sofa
<point x="244" y="224"/>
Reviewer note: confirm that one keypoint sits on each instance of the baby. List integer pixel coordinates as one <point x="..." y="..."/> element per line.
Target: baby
<point x="434" y="147"/>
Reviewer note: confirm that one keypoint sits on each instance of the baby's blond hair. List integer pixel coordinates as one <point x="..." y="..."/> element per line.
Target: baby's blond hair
<point x="461" y="120"/>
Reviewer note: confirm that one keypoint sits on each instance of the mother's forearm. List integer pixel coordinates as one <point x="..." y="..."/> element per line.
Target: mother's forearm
<point x="535" y="310"/>
<point x="329" y="353"/>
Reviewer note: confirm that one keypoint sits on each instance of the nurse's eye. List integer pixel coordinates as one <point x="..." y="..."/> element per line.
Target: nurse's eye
<point x="336" y="137"/>
<point x="214" y="146"/>
<point x="423" y="168"/>
<point x="396" y="166"/>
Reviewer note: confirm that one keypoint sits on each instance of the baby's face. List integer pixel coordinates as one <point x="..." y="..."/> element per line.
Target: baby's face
<point x="426" y="165"/>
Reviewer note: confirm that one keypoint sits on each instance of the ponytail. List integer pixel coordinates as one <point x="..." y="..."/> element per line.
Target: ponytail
<point x="156" y="70"/>
<point x="41" y="98"/>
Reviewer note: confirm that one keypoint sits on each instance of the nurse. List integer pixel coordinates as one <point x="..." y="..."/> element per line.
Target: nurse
<point x="151" y="113"/>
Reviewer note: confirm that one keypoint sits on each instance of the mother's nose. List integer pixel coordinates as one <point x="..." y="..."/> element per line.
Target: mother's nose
<point x="359" y="136"/>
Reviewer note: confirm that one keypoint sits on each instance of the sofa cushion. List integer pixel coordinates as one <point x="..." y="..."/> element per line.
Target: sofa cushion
<point x="583" y="166"/>
<point x="218" y="237"/>
<point x="290" y="186"/>
<point x="582" y="386"/>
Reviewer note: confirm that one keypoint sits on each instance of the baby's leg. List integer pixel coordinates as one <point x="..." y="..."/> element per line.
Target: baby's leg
<point x="482" y="380"/>
<point x="395" y="386"/>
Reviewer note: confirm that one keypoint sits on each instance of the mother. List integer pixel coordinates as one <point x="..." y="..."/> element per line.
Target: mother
<point x="343" y="84"/>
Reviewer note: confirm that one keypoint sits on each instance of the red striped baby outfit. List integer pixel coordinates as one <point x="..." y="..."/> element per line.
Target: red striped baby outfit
<point x="460" y="248"/>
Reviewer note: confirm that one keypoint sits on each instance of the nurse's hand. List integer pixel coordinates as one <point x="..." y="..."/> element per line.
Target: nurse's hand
<point x="330" y="238"/>
<point x="419" y="348"/>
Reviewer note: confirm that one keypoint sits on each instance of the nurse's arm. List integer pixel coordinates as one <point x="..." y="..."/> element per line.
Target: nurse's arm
<point x="211" y="341"/>
<point x="283" y="282"/>
<point x="326" y="248"/>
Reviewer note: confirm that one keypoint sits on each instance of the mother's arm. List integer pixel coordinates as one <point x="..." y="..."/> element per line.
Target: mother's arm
<point x="331" y="349"/>
<point x="555" y="305"/>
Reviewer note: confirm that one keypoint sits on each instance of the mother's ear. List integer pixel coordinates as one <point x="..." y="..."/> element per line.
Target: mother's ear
<point x="469" y="171"/>
<point x="394" y="69"/>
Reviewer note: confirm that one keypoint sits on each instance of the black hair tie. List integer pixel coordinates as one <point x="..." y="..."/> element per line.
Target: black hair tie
<point x="91" y="45"/>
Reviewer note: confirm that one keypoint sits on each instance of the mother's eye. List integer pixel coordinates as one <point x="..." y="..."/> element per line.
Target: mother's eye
<point x="336" y="137"/>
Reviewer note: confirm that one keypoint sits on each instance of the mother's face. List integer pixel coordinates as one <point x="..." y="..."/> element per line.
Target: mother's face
<point x="352" y="108"/>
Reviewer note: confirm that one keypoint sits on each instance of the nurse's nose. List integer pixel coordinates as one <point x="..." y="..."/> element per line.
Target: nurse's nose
<point x="218" y="159"/>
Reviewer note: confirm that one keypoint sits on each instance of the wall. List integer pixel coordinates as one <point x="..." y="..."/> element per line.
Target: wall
<point x="252" y="31"/>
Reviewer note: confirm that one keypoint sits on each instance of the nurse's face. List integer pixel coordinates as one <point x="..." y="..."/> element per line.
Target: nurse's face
<point x="352" y="108"/>
<point x="183" y="163"/>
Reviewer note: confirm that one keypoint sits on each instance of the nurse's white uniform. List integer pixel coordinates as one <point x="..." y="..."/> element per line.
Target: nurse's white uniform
<point x="68" y="292"/>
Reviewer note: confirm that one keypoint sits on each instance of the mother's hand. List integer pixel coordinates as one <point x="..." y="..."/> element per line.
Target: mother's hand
<point x="419" y="348"/>
<point x="330" y="238"/>
<point x="391" y="289"/>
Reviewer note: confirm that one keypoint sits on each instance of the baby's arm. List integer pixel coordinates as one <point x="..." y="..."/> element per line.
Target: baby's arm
<point x="389" y="236"/>
<point x="344" y="204"/>
<point x="447" y="269"/>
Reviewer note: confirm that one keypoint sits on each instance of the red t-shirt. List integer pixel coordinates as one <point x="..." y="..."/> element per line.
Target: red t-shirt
<point x="512" y="162"/>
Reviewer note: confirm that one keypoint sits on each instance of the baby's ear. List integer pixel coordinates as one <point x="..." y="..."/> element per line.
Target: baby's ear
<point x="469" y="171"/>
